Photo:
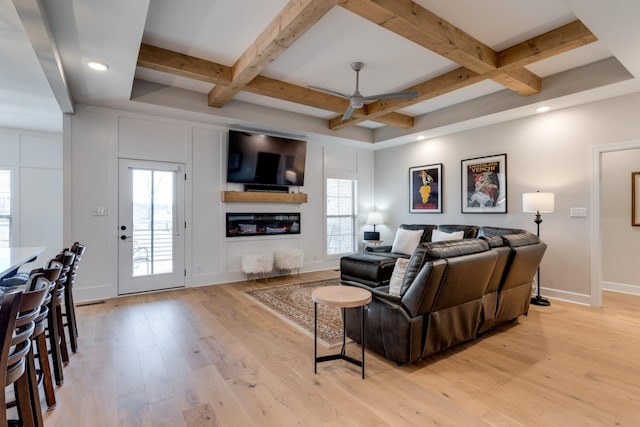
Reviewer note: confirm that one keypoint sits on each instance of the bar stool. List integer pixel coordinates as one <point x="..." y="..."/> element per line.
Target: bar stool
<point x="39" y="337"/>
<point x="57" y="341"/>
<point x="67" y="258"/>
<point x="19" y="366"/>
<point x="70" y="312"/>
<point x="8" y="315"/>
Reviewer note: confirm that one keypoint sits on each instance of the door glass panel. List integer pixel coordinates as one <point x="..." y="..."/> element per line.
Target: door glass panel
<point x="153" y="221"/>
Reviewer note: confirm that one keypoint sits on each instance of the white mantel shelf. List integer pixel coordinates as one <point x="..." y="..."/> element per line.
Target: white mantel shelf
<point x="263" y="197"/>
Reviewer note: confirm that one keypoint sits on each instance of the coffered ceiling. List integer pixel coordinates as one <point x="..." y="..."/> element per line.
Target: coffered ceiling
<point x="251" y="63"/>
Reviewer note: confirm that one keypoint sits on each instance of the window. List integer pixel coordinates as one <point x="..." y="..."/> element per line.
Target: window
<point x="5" y="208"/>
<point x="341" y="216"/>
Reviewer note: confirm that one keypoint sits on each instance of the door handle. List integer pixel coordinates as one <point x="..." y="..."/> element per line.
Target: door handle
<point x="123" y="237"/>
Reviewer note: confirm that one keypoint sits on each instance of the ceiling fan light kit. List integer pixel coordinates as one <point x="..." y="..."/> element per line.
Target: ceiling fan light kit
<point x="356" y="100"/>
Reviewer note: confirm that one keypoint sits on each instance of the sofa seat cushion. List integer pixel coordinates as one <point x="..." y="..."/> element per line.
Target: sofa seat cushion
<point x="369" y="269"/>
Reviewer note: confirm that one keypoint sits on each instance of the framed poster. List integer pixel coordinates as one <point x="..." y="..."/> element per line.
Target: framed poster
<point x="484" y="184"/>
<point x="425" y="189"/>
<point x="635" y="198"/>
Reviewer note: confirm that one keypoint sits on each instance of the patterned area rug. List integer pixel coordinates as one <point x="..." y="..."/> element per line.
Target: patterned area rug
<point x="293" y="304"/>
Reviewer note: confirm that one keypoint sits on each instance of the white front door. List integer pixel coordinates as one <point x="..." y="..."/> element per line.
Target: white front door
<point x="151" y="226"/>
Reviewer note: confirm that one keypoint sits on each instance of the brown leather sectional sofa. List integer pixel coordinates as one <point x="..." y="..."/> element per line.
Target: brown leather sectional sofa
<point x="451" y="292"/>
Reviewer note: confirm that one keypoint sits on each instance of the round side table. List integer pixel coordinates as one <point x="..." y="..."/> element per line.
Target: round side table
<point x="343" y="297"/>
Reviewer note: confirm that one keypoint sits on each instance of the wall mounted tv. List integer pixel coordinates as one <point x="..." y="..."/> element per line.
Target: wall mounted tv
<point x="265" y="160"/>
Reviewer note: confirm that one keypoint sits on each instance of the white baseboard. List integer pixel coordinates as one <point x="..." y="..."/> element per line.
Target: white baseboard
<point x="574" y="297"/>
<point x="93" y="293"/>
<point x="621" y="288"/>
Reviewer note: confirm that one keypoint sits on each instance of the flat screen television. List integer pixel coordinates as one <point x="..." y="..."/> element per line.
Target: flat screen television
<point x="266" y="160"/>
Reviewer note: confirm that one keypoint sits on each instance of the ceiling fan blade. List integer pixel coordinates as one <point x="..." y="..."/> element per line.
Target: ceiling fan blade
<point x="394" y="95"/>
<point x="347" y="113"/>
<point x="332" y="92"/>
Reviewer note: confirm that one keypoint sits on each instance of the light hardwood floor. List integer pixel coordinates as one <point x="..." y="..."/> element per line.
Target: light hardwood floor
<point x="209" y="356"/>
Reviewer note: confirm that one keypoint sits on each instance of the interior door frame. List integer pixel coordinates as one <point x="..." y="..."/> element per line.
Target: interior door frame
<point x="596" y="232"/>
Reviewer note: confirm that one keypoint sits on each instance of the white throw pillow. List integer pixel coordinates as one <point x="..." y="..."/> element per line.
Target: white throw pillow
<point x="406" y="241"/>
<point x="397" y="276"/>
<point x="441" y="236"/>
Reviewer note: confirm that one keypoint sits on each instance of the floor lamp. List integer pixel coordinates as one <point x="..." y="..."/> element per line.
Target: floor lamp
<point x="538" y="202"/>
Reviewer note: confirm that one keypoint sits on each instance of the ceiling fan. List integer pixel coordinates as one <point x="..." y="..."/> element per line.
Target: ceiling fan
<point x="357" y="100"/>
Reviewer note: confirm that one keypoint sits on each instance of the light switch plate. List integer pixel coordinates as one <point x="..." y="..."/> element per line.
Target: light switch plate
<point x="578" y="212"/>
<point x="100" y="211"/>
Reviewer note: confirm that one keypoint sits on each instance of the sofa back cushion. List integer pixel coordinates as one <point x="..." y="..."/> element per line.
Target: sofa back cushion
<point x="455" y="248"/>
<point x="466" y="279"/>
<point x="470" y="231"/>
<point x="520" y="239"/>
<point x="406" y="241"/>
<point x="419" y="297"/>
<point x="498" y="231"/>
<point x="493" y="241"/>
<point x="420" y="288"/>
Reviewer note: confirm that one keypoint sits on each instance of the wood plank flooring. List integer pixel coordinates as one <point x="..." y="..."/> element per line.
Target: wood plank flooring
<point x="210" y="356"/>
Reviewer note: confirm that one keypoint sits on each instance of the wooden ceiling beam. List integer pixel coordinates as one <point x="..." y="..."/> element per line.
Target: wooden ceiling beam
<point x="313" y="98"/>
<point x="293" y="21"/>
<point x="509" y="72"/>
<point x="179" y="64"/>
<point x="415" y="23"/>
<point x="182" y="65"/>
<point x="562" y="39"/>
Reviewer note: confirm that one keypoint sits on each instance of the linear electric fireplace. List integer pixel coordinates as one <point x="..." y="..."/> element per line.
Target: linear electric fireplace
<point x="262" y="224"/>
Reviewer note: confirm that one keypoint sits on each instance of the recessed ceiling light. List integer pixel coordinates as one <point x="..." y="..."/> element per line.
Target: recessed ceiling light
<point x="543" y="109"/>
<point x="420" y="137"/>
<point x="98" y="66"/>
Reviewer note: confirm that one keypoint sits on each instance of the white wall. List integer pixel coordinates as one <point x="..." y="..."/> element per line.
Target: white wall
<point x="550" y="152"/>
<point x="96" y="138"/>
<point x="36" y="161"/>
<point x="620" y="240"/>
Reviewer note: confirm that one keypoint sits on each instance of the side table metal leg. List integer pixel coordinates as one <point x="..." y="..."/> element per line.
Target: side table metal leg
<point x="315" y="337"/>
<point x="344" y="332"/>
<point x="363" y="333"/>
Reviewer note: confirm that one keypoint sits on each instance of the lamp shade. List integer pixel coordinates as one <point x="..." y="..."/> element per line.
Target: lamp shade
<point x="374" y="218"/>
<point x="538" y="202"/>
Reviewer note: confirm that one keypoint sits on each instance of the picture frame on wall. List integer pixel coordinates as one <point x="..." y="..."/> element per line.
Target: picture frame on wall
<point x="635" y="199"/>
<point x="484" y="184"/>
<point x="425" y="189"/>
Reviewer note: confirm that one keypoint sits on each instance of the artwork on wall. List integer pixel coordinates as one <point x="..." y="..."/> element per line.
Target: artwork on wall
<point x="484" y="184"/>
<point x="425" y="186"/>
<point x="635" y="198"/>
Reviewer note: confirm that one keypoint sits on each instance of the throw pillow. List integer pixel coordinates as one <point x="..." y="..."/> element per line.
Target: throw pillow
<point x="399" y="271"/>
<point x="406" y="241"/>
<point x="441" y="236"/>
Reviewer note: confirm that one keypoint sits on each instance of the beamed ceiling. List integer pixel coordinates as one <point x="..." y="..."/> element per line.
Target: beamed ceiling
<point x="475" y="60"/>
<point x="253" y="63"/>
